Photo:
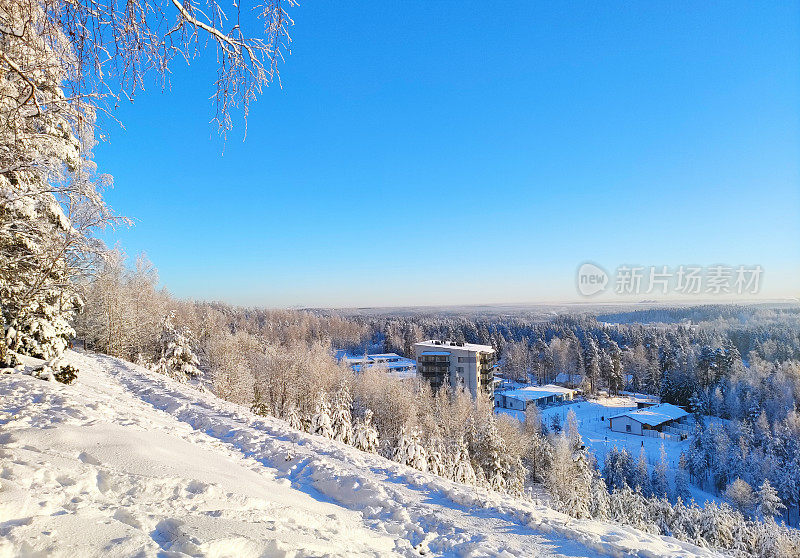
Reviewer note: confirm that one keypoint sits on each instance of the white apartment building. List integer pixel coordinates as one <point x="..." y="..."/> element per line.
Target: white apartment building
<point x="466" y="365"/>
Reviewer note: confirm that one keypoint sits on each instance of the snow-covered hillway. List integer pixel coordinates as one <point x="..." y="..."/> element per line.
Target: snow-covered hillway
<point x="127" y="462"/>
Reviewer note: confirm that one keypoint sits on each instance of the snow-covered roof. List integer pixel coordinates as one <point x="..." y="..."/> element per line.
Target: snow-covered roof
<point x="532" y="393"/>
<point x="435" y="344"/>
<point x="655" y="415"/>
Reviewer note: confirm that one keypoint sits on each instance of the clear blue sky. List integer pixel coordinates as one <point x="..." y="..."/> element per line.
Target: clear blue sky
<point x="458" y="152"/>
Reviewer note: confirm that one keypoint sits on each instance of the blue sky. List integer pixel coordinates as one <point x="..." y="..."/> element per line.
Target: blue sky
<point x="426" y="153"/>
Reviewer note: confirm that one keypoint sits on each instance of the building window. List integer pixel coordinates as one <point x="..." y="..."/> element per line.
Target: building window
<point x="627" y="428"/>
<point x="460" y="369"/>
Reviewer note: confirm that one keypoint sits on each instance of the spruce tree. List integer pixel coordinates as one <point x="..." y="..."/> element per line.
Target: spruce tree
<point x="366" y="436"/>
<point x="178" y="360"/>
<point x="321" y="420"/>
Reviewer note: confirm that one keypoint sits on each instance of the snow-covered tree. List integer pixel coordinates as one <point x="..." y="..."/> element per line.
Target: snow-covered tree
<point x="618" y="469"/>
<point x="177" y="356"/>
<point x="436" y="463"/>
<point x="641" y="476"/>
<point x="366" y="436"/>
<point x="50" y="200"/>
<point x="741" y="494"/>
<point x="416" y="455"/>
<point x="600" y="499"/>
<point x="293" y="418"/>
<point x="572" y="431"/>
<point x="659" y="480"/>
<point x="768" y="503"/>
<point x="682" y="480"/>
<point x="463" y="471"/>
<point x="342" y="421"/>
<point x="321" y="420"/>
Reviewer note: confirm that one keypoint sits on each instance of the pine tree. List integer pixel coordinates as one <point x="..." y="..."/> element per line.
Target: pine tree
<point x="400" y="450"/>
<point x="494" y="465"/>
<point x="572" y="432"/>
<point x="600" y="499"/>
<point x="618" y="469"/>
<point x="579" y="499"/>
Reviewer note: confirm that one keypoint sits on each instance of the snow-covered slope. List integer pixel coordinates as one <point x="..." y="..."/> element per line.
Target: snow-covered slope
<point x="126" y="462"/>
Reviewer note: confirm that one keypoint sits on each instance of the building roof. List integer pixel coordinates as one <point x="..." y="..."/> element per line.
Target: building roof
<point x="384" y="355"/>
<point x="445" y="345"/>
<point x="655" y="415"/>
<point x="533" y="393"/>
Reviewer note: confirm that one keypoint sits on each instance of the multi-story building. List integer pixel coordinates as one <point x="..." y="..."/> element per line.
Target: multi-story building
<point x="464" y="365"/>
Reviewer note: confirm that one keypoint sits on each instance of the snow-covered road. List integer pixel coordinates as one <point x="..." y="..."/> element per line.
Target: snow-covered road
<point x="129" y="463"/>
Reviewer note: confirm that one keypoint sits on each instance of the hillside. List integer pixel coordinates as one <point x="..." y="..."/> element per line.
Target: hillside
<point x="126" y="462"/>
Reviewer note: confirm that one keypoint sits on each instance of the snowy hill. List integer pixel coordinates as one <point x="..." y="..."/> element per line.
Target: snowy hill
<point x="127" y="462"/>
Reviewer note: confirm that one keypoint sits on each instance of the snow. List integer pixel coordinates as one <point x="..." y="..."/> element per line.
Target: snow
<point x="533" y="393"/>
<point x="435" y="344"/>
<point x="126" y="462"/>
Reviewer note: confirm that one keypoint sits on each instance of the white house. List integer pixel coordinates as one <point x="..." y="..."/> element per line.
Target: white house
<point x="649" y="418"/>
<point x="519" y="399"/>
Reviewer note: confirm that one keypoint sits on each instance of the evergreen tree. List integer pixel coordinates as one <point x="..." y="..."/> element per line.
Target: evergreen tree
<point x="463" y="472"/>
<point x="366" y="436"/>
<point x="659" y="482"/>
<point x="178" y="360"/>
<point x="618" y="469"/>
<point x="321" y="420"/>
<point x="600" y="499"/>
<point x="682" y="481"/>
<point x="293" y="418"/>
<point x="641" y="478"/>
<point x="342" y="420"/>
<point x="768" y="503"/>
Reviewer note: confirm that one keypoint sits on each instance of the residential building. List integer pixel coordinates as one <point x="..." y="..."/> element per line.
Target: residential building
<point x="659" y="418"/>
<point x="540" y="396"/>
<point x="465" y="365"/>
